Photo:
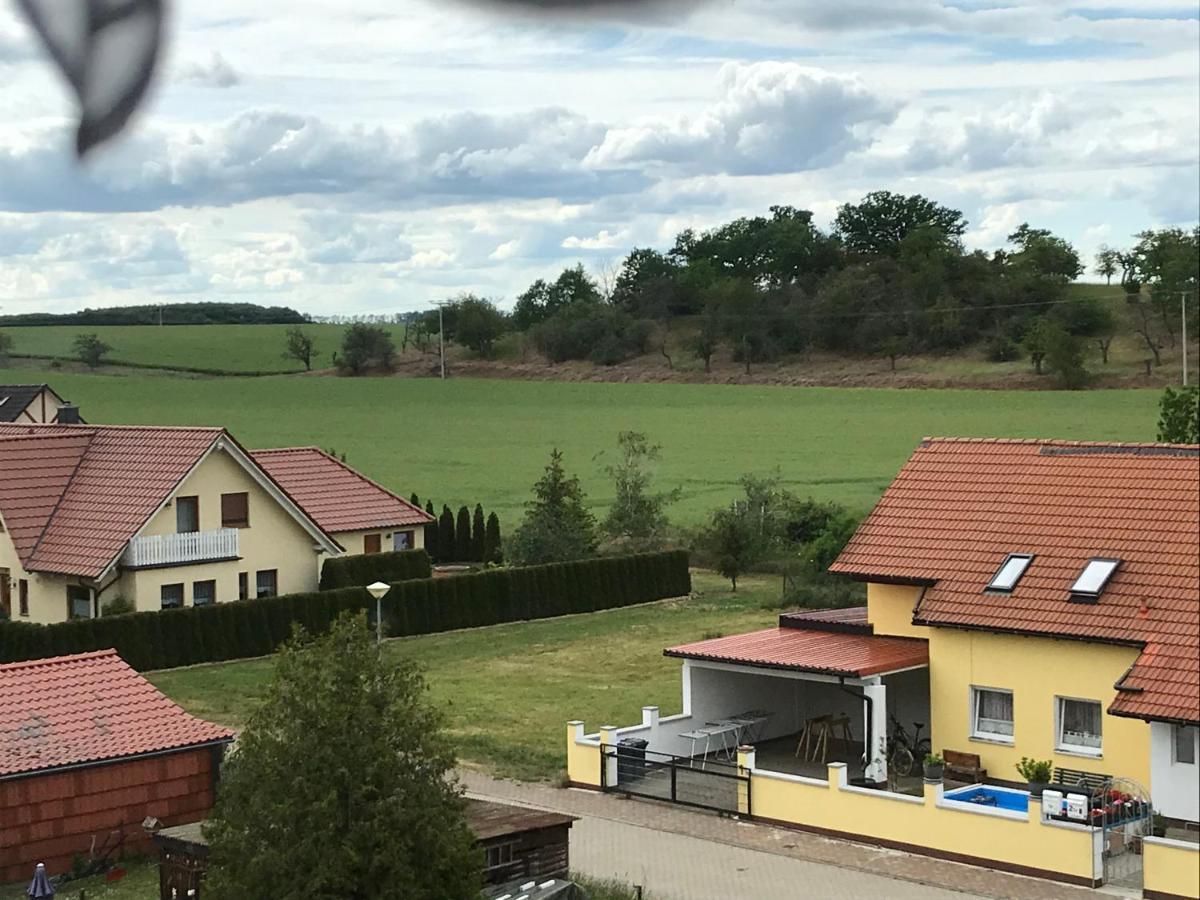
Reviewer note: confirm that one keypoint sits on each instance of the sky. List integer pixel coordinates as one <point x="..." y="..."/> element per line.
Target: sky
<point x="379" y="156"/>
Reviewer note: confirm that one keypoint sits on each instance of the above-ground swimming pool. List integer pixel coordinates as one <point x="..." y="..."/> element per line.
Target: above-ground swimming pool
<point x="986" y="795"/>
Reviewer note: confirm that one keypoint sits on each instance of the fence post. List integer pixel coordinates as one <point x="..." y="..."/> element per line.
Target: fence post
<point x="745" y="760"/>
<point x="608" y="755"/>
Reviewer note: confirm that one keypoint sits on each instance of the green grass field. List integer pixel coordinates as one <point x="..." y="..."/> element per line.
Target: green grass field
<point x="468" y="441"/>
<point x="509" y="690"/>
<point x="233" y="348"/>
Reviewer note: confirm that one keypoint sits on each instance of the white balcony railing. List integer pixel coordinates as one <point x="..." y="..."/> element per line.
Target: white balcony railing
<point x="174" y="549"/>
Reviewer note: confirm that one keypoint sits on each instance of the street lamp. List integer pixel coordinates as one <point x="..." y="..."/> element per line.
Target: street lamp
<point x="377" y="590"/>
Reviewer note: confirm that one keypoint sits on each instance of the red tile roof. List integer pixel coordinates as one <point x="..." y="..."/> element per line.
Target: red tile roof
<point x="959" y="507"/>
<point x="88" y="708"/>
<point x="77" y="494"/>
<point x="336" y="496"/>
<point x="805" y="650"/>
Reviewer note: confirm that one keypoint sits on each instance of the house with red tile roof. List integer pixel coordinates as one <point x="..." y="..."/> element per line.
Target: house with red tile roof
<point x="361" y="515"/>
<point x="89" y="749"/>
<point x="166" y="517"/>
<point x="1025" y="598"/>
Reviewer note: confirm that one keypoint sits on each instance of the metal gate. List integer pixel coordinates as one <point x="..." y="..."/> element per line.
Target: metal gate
<point x="701" y="782"/>
<point x="1124" y="815"/>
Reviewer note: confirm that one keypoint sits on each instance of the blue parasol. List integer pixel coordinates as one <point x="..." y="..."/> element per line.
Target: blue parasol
<point x="40" y="886"/>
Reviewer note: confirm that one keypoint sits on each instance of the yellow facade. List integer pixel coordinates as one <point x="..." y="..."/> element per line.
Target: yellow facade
<point x="1171" y="868"/>
<point x="1037" y="671"/>
<point x="353" y="540"/>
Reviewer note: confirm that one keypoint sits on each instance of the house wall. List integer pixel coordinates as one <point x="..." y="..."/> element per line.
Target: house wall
<point x="1174" y="787"/>
<point x="890" y="609"/>
<point x="273" y="540"/>
<point x="1036" y="670"/>
<point x="49" y="818"/>
<point x="42" y="408"/>
<point x="353" y="540"/>
<point x="47" y="593"/>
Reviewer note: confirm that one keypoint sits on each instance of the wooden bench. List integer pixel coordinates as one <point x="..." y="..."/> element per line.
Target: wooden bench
<point x="964" y="766"/>
<point x="1092" y="782"/>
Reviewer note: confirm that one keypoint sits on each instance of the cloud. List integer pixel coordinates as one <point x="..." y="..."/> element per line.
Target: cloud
<point x="356" y="239"/>
<point x="771" y="117"/>
<point x="217" y="73"/>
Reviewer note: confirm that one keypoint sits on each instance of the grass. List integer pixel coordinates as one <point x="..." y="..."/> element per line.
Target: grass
<point x="468" y="441"/>
<point x="140" y="883"/>
<point x="234" y="348"/>
<point x="509" y="690"/>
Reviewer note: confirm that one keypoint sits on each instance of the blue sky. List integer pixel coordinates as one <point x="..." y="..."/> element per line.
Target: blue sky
<point x="379" y="156"/>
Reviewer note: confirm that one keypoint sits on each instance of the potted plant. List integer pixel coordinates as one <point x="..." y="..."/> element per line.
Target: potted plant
<point x="1037" y="772"/>
<point x="935" y="767"/>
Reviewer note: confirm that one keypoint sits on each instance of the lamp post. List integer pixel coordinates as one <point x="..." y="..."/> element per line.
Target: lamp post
<point x="377" y="590"/>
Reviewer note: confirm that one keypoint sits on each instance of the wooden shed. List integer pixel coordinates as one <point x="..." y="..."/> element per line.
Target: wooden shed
<point x="89" y="749"/>
<point x="519" y="842"/>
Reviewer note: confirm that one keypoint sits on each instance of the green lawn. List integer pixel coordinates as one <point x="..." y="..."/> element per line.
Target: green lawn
<point x="234" y="348"/>
<point x="467" y="441"/>
<point x="509" y="690"/>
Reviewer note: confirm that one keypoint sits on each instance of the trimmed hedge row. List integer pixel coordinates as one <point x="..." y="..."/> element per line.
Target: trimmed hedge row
<point x="367" y="568"/>
<point x="180" y="637"/>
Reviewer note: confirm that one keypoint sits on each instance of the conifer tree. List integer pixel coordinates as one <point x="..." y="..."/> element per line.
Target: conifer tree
<point x="557" y="526"/>
<point x="463" y="543"/>
<point x="446" y="544"/>
<point x="478" y="537"/>
<point x="493" y="549"/>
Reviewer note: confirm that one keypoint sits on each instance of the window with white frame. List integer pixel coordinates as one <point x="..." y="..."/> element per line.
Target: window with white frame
<point x="1079" y="725"/>
<point x="992" y="714"/>
<point x="1183" y="743"/>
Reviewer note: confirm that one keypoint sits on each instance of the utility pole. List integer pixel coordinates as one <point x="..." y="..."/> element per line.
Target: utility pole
<point x="1183" y="319"/>
<point x="442" y="343"/>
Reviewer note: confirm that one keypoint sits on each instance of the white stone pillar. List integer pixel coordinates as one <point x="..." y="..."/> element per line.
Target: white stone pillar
<point x="875" y="715"/>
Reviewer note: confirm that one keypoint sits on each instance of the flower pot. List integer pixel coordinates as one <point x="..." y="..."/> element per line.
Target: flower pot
<point x="934" y="773"/>
<point x="1036" y="788"/>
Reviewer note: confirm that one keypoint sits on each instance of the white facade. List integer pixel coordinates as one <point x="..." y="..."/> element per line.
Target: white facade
<point x="1174" y="784"/>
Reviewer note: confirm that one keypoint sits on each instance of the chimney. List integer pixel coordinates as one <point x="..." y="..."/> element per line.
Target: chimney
<point x="67" y="415"/>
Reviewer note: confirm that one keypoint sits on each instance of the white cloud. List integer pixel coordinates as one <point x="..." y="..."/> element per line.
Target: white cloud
<point x="217" y="72"/>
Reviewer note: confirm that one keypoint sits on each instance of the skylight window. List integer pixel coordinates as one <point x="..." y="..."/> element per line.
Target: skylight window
<point x="1094" y="577"/>
<point x="1010" y="572"/>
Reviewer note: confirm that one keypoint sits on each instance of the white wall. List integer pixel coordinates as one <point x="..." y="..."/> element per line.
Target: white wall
<point x="1174" y="787"/>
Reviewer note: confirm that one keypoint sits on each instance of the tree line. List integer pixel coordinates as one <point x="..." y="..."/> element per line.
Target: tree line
<point x="890" y="278"/>
<point x="206" y="313"/>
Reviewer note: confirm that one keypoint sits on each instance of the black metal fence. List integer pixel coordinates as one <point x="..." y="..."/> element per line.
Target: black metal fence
<point x="701" y="782"/>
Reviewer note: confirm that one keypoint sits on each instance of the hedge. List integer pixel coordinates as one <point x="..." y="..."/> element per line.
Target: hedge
<point x="367" y="568"/>
<point x="246" y="628"/>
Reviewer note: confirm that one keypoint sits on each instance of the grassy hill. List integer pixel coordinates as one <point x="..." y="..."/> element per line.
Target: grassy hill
<point x="467" y="441"/>
<point x="234" y="348"/>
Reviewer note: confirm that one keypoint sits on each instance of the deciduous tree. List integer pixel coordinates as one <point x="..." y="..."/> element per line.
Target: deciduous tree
<point x="298" y="345"/>
<point x="90" y="349"/>
<point x="1179" y="415"/>
<point x="365" y="347"/>
<point x="879" y="223"/>
<point x="734" y="540"/>
<point x="637" y="512"/>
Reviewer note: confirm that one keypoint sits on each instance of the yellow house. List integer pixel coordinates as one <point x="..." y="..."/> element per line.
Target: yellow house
<point x="1034" y="599"/>
<point x="159" y="517"/>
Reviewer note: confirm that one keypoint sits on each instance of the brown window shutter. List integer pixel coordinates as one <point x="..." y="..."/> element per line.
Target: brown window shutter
<point x="235" y="510"/>
<point x="372" y="543"/>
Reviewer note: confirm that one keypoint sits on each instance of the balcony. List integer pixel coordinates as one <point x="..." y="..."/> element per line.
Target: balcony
<point x="157" y="550"/>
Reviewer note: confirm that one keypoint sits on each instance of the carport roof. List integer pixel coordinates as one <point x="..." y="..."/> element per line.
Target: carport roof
<point x="811" y="650"/>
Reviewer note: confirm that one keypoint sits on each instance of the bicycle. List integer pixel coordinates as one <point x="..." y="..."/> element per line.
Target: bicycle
<point x="904" y="751"/>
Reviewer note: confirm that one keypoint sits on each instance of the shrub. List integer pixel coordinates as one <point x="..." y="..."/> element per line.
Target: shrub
<point x="117" y="606"/>
<point x="1179" y="415"/>
<point x="1035" y="770"/>
<point x="1000" y="348"/>
<point x="359" y="571"/>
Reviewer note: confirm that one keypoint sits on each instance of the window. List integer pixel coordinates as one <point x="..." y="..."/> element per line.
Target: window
<point x="172" y="595"/>
<point x="5" y="593"/>
<point x="187" y="514"/>
<point x="992" y="714"/>
<point x="23" y="597"/>
<point x="265" y="580"/>
<point x="501" y="855"/>
<point x="1079" y="725"/>
<point x="402" y="540"/>
<point x="372" y="543"/>
<point x="235" y="510"/>
<point x="243" y="585"/>
<point x="204" y="593"/>
<point x="79" y="602"/>
<point x="1183" y="741"/>
<point x="1094" y="577"/>
<point x="1010" y="572"/>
